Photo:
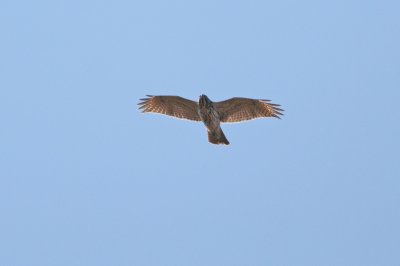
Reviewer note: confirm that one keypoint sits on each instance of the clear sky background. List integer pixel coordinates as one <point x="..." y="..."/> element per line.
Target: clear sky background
<point x="86" y="179"/>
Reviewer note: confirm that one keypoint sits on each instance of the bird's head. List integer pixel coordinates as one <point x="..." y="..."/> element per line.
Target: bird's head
<point x="204" y="100"/>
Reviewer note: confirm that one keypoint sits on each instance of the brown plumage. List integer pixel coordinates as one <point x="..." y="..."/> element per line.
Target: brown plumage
<point x="211" y="113"/>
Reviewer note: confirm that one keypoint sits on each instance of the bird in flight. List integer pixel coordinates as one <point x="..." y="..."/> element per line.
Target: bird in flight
<point x="212" y="114"/>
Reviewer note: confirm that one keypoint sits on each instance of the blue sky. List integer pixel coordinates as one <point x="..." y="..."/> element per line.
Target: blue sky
<point x="86" y="179"/>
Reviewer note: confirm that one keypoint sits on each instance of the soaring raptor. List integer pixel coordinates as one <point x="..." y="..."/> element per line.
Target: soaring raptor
<point x="212" y="114"/>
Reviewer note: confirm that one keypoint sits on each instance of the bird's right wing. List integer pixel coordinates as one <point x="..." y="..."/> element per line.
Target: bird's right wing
<point x="170" y="105"/>
<point x="240" y="109"/>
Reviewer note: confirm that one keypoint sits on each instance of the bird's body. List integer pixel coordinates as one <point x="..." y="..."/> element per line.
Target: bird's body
<point x="211" y="120"/>
<point x="212" y="114"/>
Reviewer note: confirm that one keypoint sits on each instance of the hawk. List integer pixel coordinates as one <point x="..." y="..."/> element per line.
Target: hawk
<point x="212" y="114"/>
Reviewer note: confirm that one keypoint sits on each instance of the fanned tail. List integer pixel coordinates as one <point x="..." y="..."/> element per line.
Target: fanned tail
<point x="217" y="137"/>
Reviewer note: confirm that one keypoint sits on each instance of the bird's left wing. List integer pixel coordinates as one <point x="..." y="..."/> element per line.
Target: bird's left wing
<point x="240" y="109"/>
<point x="170" y="105"/>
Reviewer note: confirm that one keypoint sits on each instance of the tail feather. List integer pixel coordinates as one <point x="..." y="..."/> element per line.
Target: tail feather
<point x="217" y="137"/>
